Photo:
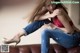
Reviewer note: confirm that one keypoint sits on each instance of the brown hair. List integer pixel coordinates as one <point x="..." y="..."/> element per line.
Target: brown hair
<point x="60" y="5"/>
<point x="37" y="9"/>
<point x="41" y="4"/>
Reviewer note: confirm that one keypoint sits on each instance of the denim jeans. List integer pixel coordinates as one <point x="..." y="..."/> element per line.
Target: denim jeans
<point x="65" y="40"/>
<point x="35" y="25"/>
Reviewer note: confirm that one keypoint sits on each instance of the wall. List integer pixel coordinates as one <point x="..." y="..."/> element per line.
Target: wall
<point x="12" y="20"/>
<point x="75" y="13"/>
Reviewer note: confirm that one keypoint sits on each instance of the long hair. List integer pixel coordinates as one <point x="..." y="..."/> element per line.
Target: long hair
<point x="37" y="9"/>
<point x="60" y="5"/>
<point x="41" y="4"/>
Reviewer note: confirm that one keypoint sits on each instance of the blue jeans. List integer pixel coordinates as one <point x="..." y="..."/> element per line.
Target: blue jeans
<point x="35" y="25"/>
<point x="65" y="40"/>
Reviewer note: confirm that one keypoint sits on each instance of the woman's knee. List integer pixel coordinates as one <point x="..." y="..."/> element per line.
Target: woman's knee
<point x="45" y="33"/>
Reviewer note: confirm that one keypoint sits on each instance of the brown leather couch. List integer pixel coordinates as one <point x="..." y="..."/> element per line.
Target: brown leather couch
<point x="35" y="48"/>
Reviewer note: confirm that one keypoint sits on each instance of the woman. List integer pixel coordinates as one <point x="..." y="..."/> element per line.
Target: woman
<point x="62" y="29"/>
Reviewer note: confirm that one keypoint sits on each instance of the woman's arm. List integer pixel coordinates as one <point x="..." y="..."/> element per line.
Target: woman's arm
<point x="48" y="15"/>
<point x="44" y="13"/>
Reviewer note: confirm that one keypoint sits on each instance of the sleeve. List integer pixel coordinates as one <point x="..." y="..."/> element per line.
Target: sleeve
<point x="35" y="25"/>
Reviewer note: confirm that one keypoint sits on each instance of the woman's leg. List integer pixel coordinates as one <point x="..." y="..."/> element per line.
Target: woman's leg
<point x="45" y="42"/>
<point x="65" y="40"/>
<point x="35" y="26"/>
